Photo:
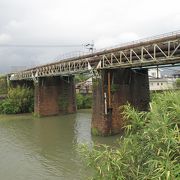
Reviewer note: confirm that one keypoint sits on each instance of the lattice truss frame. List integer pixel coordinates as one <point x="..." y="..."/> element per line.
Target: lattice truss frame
<point x="161" y="53"/>
<point x="166" y="52"/>
<point x="56" y="69"/>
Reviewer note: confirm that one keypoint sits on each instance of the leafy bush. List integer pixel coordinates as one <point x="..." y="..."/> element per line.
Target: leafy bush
<point x="83" y="101"/>
<point x="19" y="100"/>
<point x="178" y="82"/>
<point x="3" y="85"/>
<point x="150" y="146"/>
<point x="8" y="107"/>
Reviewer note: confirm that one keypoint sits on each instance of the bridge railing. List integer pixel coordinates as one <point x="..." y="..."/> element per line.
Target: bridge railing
<point x="71" y="55"/>
<point x="152" y="38"/>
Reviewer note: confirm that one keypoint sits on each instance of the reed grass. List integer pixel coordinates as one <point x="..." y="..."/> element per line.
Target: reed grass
<point x="149" y="148"/>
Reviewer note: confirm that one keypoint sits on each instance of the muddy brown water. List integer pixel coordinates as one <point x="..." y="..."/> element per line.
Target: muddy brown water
<point x="43" y="148"/>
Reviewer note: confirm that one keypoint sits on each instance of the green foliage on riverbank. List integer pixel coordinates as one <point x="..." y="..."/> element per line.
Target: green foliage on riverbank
<point x="150" y="148"/>
<point x="3" y="85"/>
<point x="177" y="82"/>
<point x="83" y="101"/>
<point x="19" y="100"/>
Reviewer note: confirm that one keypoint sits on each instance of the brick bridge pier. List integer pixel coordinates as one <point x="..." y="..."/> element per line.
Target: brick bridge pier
<point x="114" y="89"/>
<point x="55" y="95"/>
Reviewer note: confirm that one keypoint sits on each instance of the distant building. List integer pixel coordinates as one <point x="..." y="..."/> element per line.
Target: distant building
<point x="154" y="73"/>
<point x="84" y="87"/>
<point x="158" y="83"/>
<point x="161" y="84"/>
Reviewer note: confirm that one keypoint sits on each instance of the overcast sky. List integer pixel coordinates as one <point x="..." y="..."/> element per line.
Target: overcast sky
<point x="77" y="22"/>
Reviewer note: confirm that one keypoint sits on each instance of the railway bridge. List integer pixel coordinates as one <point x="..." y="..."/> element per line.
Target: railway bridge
<point x="120" y="75"/>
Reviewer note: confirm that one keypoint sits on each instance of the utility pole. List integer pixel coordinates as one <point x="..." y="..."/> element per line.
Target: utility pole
<point x="90" y="47"/>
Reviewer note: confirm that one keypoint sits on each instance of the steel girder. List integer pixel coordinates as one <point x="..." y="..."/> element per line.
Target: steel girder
<point x="161" y="53"/>
<point x="148" y="53"/>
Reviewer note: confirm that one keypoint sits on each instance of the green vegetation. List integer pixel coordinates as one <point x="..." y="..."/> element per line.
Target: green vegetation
<point x="95" y="132"/>
<point x="114" y="88"/>
<point x="3" y="85"/>
<point x="63" y="102"/>
<point x="19" y="100"/>
<point x="95" y="83"/>
<point x="178" y="83"/>
<point x="80" y="78"/>
<point x="83" y="101"/>
<point x="150" y="146"/>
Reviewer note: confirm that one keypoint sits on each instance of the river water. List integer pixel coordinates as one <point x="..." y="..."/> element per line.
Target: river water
<point x="43" y="148"/>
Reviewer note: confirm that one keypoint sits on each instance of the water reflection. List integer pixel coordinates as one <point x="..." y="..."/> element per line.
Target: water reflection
<point x="82" y="130"/>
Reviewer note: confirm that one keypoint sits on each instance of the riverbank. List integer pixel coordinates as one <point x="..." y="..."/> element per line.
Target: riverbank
<point x="10" y="117"/>
<point x="31" y="115"/>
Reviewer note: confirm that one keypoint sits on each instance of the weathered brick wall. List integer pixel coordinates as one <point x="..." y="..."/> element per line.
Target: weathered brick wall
<point x="46" y="97"/>
<point x="140" y="87"/>
<point x="126" y="86"/>
<point x="99" y="123"/>
<point x="67" y="96"/>
<point x="54" y="95"/>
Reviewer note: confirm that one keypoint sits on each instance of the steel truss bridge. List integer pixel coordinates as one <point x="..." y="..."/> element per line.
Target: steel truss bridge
<point x="153" y="51"/>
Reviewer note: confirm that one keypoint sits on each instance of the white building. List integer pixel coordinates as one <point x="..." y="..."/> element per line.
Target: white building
<point x="84" y="87"/>
<point x="158" y="83"/>
<point x="155" y="73"/>
<point x="161" y="84"/>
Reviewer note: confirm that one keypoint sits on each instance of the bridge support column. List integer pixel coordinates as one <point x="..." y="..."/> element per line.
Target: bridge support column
<point x="54" y="95"/>
<point x="114" y="89"/>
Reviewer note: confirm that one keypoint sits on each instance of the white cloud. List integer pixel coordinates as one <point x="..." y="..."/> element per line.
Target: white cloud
<point x="5" y="38"/>
<point x="13" y="24"/>
<point x="103" y="42"/>
<point x="105" y="22"/>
